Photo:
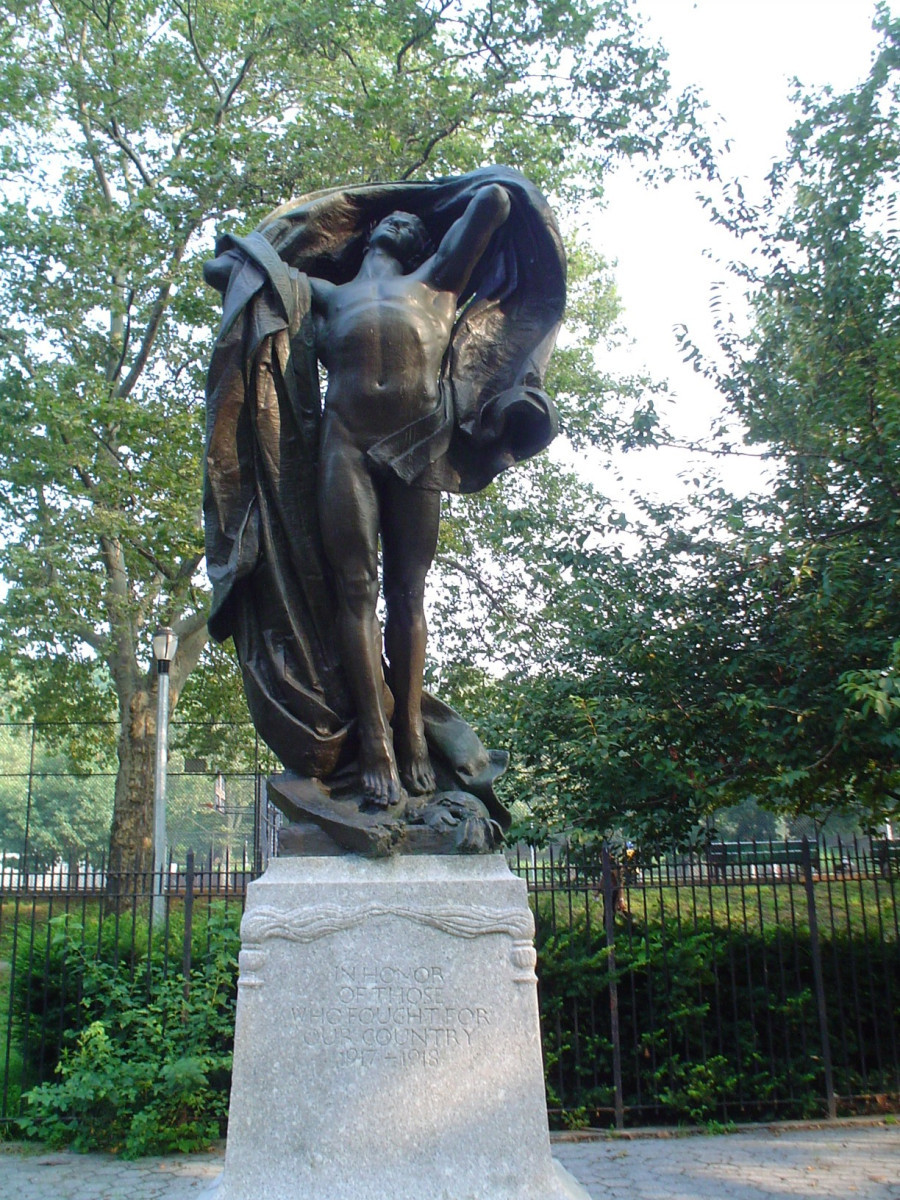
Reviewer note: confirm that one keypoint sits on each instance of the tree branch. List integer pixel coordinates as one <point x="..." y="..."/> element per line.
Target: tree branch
<point x="90" y="637"/>
<point x="174" y="575"/>
<point x="121" y="659"/>
<point x="94" y="153"/>
<point x="148" y="556"/>
<point x="115" y="569"/>
<point x="150" y="595"/>
<point x="225" y="104"/>
<point x="118" y="137"/>
<point x="185" y="10"/>
<point x="441" y="134"/>
<point x="185" y="627"/>
<point x="189" y="566"/>
<point x="493" y="595"/>
<point x="86" y="479"/>
<point x="156" y="316"/>
<point x="483" y="37"/>
<point x="415" y="38"/>
<point x="116" y="370"/>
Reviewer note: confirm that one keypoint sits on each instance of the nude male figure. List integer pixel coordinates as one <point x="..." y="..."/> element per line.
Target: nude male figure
<point x="382" y="338"/>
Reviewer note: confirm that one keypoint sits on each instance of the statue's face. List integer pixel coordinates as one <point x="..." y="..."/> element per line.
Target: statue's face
<point x="402" y="235"/>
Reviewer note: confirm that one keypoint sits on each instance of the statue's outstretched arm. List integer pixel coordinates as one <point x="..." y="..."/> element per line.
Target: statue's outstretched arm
<point x="467" y="239"/>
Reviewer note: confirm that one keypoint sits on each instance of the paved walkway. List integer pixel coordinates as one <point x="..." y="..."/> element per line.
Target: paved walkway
<point x="853" y="1161"/>
<point x="844" y="1162"/>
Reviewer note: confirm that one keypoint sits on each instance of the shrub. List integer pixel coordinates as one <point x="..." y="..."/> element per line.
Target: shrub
<point x="147" y="1070"/>
<point x="714" y="1022"/>
<point x="54" y="992"/>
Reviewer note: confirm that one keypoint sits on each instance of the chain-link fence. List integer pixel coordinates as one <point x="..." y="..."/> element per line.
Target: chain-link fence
<point x="57" y="786"/>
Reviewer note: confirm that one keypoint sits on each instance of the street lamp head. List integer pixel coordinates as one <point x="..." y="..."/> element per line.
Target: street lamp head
<point x="165" y="643"/>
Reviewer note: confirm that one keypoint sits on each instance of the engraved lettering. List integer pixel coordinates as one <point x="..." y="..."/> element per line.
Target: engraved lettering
<point x="385" y="1012"/>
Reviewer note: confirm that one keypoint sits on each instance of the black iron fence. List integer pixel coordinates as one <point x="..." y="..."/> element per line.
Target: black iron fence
<point x="688" y="989"/>
<point x="673" y="989"/>
<point x="55" y="926"/>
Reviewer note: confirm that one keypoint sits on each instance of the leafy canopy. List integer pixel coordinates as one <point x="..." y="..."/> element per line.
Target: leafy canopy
<point x="128" y="134"/>
<point x="726" y="649"/>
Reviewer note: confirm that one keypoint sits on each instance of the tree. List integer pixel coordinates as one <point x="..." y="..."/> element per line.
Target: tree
<point x="700" y="655"/>
<point x="748" y="648"/>
<point x="54" y="805"/>
<point x="817" y="385"/>
<point x="656" y="683"/>
<point x="130" y="132"/>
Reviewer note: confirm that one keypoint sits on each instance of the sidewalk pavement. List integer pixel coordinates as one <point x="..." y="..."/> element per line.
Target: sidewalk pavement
<point x="853" y="1160"/>
<point x="844" y="1161"/>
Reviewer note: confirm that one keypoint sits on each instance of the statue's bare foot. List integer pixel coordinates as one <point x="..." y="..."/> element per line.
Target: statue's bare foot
<point x="415" y="765"/>
<point x="378" y="776"/>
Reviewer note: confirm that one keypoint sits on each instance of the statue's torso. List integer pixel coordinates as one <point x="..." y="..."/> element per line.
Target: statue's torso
<point x="382" y="341"/>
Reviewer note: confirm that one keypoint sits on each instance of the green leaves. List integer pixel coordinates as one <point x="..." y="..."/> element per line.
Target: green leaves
<point x="802" y="581"/>
<point x="131" y="133"/>
<point x="148" y="1070"/>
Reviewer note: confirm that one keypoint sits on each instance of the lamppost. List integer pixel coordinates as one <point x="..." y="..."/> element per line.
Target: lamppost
<point x="165" y="643"/>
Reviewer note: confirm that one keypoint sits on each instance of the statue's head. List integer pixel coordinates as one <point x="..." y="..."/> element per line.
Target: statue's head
<point x="405" y="237"/>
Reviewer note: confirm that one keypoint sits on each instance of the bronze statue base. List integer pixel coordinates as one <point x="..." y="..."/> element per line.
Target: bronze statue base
<point x="327" y="820"/>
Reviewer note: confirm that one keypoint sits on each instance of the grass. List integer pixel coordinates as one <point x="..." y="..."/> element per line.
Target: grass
<point x="854" y="907"/>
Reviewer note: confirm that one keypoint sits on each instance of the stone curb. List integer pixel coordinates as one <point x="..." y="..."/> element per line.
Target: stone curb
<point x="563" y="1136"/>
<point x="34" y="1150"/>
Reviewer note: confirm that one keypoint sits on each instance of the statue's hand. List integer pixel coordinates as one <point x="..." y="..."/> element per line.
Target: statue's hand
<point x="478" y="835"/>
<point x="474" y="830"/>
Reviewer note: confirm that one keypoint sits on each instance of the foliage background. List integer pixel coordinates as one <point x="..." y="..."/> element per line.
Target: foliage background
<point x="130" y="134"/>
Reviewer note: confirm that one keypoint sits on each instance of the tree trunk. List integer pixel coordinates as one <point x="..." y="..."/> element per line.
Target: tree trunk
<point x="130" y="863"/>
<point x="131" y="838"/>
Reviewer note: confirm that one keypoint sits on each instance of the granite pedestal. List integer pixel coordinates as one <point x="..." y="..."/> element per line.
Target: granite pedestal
<point x="387" y="1043"/>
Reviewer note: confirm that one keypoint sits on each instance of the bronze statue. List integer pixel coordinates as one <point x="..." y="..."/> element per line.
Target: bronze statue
<point x="434" y="362"/>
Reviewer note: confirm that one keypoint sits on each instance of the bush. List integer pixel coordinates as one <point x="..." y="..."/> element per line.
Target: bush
<point x="47" y="995"/>
<point x="715" y="1023"/>
<point x="53" y="991"/>
<point x="147" y="1068"/>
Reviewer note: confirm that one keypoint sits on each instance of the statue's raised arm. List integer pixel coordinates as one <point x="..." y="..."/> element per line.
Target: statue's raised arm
<point x="462" y="246"/>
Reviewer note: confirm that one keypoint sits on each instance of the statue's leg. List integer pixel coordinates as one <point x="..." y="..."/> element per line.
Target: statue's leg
<point x="348" y="516"/>
<point x="409" y="528"/>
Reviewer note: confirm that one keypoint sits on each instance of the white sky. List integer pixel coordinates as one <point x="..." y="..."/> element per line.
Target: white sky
<point x="743" y="55"/>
